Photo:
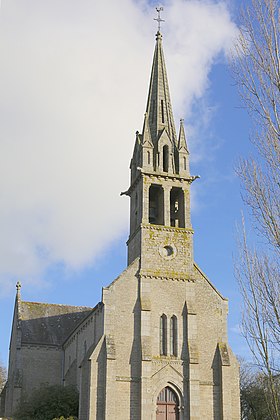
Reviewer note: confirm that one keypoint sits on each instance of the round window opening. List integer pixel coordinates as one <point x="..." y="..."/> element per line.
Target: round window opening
<point x="168" y="251"/>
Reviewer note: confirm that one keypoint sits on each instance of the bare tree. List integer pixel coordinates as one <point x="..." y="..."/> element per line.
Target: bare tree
<point x="256" y="68"/>
<point x="253" y="393"/>
<point x="3" y="376"/>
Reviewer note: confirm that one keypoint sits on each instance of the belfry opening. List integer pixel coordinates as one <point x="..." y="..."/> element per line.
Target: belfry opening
<point x="156" y="205"/>
<point x="177" y="212"/>
<point x="165" y="157"/>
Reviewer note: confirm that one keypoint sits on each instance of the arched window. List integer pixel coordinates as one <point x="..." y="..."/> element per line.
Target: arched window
<point x="185" y="163"/>
<point x="156" y="205"/>
<point x="173" y="336"/>
<point x="162" y="112"/>
<point x="163" y="335"/>
<point x="149" y="157"/>
<point x="177" y="211"/>
<point x="165" y="157"/>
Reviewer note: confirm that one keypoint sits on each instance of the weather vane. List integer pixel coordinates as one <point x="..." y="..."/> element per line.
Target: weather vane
<point x="158" y="19"/>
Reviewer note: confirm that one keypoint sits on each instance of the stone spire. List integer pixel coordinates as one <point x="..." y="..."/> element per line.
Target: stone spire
<point x="159" y="110"/>
<point x="182" y="142"/>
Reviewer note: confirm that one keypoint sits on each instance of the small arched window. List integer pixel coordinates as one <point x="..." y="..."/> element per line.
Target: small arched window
<point x="149" y="157"/>
<point x="165" y="157"/>
<point x="163" y="335"/>
<point x="162" y="112"/>
<point x="173" y="336"/>
<point x="185" y="163"/>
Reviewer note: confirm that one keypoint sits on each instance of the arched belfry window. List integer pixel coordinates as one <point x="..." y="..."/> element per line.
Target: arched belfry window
<point x="162" y="112"/>
<point x="167" y="405"/>
<point x="163" y="335"/>
<point x="165" y="158"/>
<point x="149" y="157"/>
<point x="156" y="206"/>
<point x="185" y="163"/>
<point x="177" y="210"/>
<point x="173" y="336"/>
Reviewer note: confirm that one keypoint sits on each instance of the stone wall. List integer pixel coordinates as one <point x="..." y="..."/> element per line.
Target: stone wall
<point x="127" y="371"/>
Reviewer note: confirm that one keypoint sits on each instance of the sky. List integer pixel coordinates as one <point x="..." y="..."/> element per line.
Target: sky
<point x="74" y="81"/>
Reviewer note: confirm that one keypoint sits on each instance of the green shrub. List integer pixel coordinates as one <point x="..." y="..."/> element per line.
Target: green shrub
<point x="48" y="403"/>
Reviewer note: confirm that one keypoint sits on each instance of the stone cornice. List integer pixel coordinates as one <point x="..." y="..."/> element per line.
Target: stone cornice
<point x="166" y="276"/>
<point x="167" y="228"/>
<point x="161" y="176"/>
<point x="167" y="176"/>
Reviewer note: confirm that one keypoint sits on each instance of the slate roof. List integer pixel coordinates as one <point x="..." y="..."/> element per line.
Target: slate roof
<point x="49" y="324"/>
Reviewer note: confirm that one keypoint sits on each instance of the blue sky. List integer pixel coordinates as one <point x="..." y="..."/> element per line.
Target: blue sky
<point x="74" y="82"/>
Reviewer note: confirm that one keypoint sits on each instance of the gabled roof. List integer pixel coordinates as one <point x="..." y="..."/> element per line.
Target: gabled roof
<point x="49" y="324"/>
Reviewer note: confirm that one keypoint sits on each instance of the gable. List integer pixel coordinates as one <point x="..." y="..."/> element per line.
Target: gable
<point x="164" y="139"/>
<point x="203" y="276"/>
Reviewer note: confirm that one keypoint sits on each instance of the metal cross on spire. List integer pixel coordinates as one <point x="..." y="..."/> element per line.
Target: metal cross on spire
<point x="158" y="19"/>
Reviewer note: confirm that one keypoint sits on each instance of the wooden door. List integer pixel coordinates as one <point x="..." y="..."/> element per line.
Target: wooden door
<point x="167" y="405"/>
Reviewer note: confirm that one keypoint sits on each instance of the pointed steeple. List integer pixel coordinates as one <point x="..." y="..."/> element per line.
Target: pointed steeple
<point x="146" y="133"/>
<point x="160" y="180"/>
<point x="182" y="142"/>
<point x="183" y="153"/>
<point x="159" y="110"/>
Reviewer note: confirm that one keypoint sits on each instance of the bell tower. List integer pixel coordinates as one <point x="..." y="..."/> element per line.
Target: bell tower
<point x="160" y="224"/>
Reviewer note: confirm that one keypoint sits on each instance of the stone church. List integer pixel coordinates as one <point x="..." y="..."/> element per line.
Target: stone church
<point x="155" y="347"/>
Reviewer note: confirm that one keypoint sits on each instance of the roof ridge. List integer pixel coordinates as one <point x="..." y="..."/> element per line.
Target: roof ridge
<point x="57" y="304"/>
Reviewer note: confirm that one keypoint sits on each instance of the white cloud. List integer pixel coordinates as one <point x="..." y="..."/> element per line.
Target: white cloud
<point x="73" y="87"/>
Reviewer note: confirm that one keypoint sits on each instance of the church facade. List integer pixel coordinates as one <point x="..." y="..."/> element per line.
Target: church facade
<point x="155" y="347"/>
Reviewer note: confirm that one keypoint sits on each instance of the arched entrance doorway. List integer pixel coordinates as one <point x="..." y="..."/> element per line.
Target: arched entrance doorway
<point x="167" y="405"/>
